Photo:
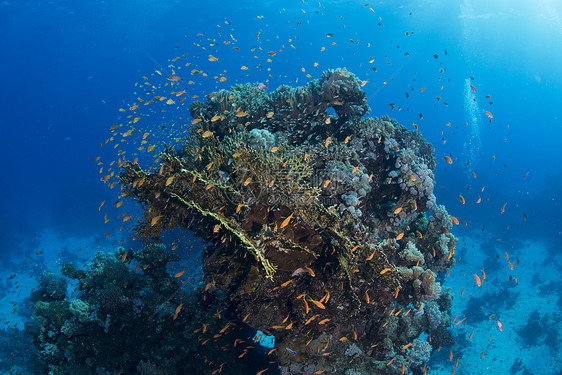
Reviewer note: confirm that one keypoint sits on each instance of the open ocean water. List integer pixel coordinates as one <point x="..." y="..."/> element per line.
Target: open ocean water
<point x="88" y="85"/>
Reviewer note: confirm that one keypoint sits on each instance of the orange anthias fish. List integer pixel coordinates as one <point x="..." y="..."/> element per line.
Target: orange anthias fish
<point x="286" y="221"/>
<point x="177" y="311"/>
<point x="174" y="78"/>
<point x="477" y="280"/>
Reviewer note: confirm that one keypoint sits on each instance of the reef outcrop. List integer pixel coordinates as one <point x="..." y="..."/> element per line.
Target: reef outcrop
<point x="323" y="227"/>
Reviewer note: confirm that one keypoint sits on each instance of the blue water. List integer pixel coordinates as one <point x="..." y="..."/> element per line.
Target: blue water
<point x="66" y="67"/>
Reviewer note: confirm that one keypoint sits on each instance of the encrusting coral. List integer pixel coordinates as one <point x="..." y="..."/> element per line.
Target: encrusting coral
<point x="324" y="229"/>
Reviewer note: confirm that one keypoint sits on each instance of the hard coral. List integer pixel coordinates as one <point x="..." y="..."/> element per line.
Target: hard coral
<point x="321" y="226"/>
<point x="129" y="322"/>
<point x="51" y="288"/>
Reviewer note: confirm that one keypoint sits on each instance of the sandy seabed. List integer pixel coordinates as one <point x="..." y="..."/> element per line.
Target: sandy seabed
<point x="504" y="351"/>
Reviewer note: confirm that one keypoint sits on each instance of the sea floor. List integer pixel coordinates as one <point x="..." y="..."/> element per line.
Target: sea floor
<point x="22" y="273"/>
<point x="526" y="299"/>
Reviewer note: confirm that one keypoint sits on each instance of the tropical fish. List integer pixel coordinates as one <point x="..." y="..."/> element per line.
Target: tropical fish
<point x="286" y="221"/>
<point x="318" y="304"/>
<point x="299" y="271"/>
<point x="499" y="325"/>
<point x="285" y="284"/>
<point x="174" y="78"/>
<point x="503" y="208"/>
<point x="477" y="280"/>
<point x="178" y="309"/>
<point x="310" y="319"/>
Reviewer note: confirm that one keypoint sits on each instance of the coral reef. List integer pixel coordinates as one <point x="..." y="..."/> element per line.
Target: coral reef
<point x="125" y="321"/>
<point x="51" y="288"/>
<point x="324" y="229"/>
